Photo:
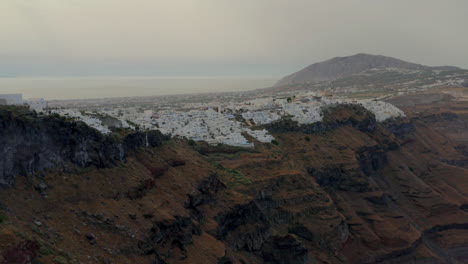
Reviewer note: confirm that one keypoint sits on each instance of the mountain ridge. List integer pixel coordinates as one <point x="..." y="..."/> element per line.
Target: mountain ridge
<point x="340" y="67"/>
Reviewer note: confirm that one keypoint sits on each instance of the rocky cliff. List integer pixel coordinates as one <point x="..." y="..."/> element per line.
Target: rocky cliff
<point x="334" y="116"/>
<point x="30" y="143"/>
<point x="349" y="191"/>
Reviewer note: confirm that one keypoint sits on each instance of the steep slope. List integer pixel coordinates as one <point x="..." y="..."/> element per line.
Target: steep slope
<point x="350" y="190"/>
<point x="346" y="66"/>
<point x="30" y="143"/>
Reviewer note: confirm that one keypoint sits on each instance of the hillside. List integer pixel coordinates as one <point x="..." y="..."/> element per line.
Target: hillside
<point x="346" y="190"/>
<point x="30" y="143"/>
<point x="365" y="75"/>
<point x="340" y="67"/>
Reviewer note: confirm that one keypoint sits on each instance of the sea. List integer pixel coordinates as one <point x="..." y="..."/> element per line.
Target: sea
<point x="108" y="87"/>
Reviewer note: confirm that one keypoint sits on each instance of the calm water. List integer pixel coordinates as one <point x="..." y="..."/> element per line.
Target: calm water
<point x="82" y="88"/>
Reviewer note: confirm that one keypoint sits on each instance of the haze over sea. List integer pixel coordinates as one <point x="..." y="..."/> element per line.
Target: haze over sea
<point x="104" y="87"/>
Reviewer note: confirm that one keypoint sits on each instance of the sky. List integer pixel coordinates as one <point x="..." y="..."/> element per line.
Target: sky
<point x="222" y="37"/>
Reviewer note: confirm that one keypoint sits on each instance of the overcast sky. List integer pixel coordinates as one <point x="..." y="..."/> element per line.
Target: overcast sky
<point x="222" y="37"/>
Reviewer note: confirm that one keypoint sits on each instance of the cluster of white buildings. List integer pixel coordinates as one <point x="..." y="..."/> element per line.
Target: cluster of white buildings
<point x="204" y="125"/>
<point x="304" y="113"/>
<point x="231" y="123"/>
<point x="89" y="120"/>
<point x="37" y="104"/>
<point x="260" y="117"/>
<point x="382" y="110"/>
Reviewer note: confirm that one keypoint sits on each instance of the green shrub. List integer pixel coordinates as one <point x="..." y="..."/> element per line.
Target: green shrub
<point x="61" y="260"/>
<point x="3" y="218"/>
<point x="307" y="138"/>
<point x="45" y="250"/>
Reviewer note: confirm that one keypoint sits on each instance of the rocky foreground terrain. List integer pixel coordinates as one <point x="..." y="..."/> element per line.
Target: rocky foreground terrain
<point x="346" y="190"/>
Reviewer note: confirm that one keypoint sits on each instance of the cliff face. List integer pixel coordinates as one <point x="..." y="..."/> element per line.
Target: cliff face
<point x="30" y="144"/>
<point x="353" y="191"/>
<point x="334" y="117"/>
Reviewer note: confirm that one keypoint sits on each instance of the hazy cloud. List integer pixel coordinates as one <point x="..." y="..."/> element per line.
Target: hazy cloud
<point x="245" y="37"/>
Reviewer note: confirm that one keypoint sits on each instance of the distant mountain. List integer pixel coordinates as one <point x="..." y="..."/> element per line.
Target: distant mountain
<point x="340" y="67"/>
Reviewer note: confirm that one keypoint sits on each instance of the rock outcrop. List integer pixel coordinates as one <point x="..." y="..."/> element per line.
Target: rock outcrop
<point x="168" y="236"/>
<point x="400" y="128"/>
<point x="204" y="194"/>
<point x="30" y="143"/>
<point x="152" y="138"/>
<point x="335" y="116"/>
<point x="285" y="250"/>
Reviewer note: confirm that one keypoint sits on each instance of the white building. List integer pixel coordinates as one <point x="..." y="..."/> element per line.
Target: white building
<point x="261" y="135"/>
<point x="12" y="99"/>
<point x="37" y="104"/>
<point x="89" y="120"/>
<point x="382" y="110"/>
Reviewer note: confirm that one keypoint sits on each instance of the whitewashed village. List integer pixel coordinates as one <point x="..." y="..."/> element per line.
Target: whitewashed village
<point x="231" y="123"/>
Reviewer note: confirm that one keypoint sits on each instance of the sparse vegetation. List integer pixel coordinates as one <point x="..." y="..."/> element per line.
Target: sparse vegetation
<point x="239" y="177"/>
<point x="3" y="218"/>
<point x="233" y="177"/>
<point x="136" y="126"/>
<point x="45" y="250"/>
<point x="61" y="260"/>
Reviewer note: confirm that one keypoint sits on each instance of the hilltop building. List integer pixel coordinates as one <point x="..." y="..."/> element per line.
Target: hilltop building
<point x="37" y="104"/>
<point x="12" y="99"/>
